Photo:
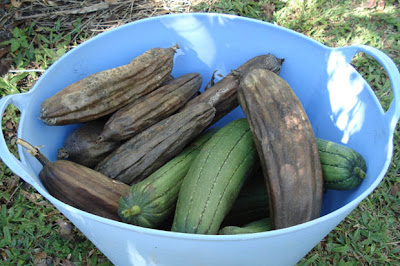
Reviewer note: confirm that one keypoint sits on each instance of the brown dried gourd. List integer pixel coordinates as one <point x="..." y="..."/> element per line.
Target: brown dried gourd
<point x="79" y="186"/>
<point x="141" y="155"/>
<point x="286" y="146"/>
<point x="81" y="145"/>
<point x="223" y="94"/>
<point x="106" y="91"/>
<point x="147" y="111"/>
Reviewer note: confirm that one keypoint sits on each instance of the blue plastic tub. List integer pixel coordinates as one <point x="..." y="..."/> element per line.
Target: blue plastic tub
<point x="340" y="104"/>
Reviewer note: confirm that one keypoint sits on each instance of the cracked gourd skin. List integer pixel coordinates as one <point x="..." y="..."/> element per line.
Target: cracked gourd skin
<point x="214" y="180"/>
<point x="223" y="94"/>
<point x="342" y="167"/>
<point x="286" y="146"/>
<point x="104" y="92"/>
<point x="81" y="145"/>
<point x="143" y="154"/>
<point x="151" y="201"/>
<point x="147" y="111"/>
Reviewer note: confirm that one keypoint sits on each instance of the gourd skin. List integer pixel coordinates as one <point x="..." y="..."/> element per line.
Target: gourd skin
<point x="152" y="200"/>
<point x="106" y="91"/>
<point x="143" y="154"/>
<point x="286" y="146"/>
<point x="343" y="168"/>
<point x="257" y="226"/>
<point x="214" y="180"/>
<point x="164" y="101"/>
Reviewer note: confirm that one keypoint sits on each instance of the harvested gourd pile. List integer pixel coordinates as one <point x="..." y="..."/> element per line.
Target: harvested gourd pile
<point x="147" y="152"/>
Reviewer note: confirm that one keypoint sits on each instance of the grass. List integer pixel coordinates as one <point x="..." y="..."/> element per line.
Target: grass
<point x="31" y="230"/>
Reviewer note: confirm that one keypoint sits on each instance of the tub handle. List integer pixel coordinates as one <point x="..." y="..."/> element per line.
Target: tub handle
<point x="6" y="156"/>
<point x="393" y="113"/>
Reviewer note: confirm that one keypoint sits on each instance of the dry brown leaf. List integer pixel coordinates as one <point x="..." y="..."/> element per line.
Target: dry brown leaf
<point x="18" y="3"/>
<point x="394" y="190"/>
<point x="12" y="182"/>
<point x="10" y="124"/>
<point x="51" y="3"/>
<point x="4" y="66"/>
<point x="268" y="11"/>
<point x="44" y="203"/>
<point x="370" y="4"/>
<point x="4" y="51"/>
<point x="39" y="258"/>
<point x="65" y="229"/>
<point x="112" y="2"/>
<point x="381" y="5"/>
<point x="66" y="262"/>
<point x="32" y="197"/>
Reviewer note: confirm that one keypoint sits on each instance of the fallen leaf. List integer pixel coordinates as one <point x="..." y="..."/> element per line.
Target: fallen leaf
<point x="39" y="258"/>
<point x="51" y="3"/>
<point x="66" y="262"/>
<point x="16" y="3"/>
<point x="370" y="4"/>
<point x="4" y="51"/>
<point x="12" y="182"/>
<point x="32" y="197"/>
<point x="10" y="124"/>
<point x="381" y="5"/>
<point x="3" y="255"/>
<point x="396" y="208"/>
<point x="65" y="229"/>
<point x="4" y="66"/>
<point x="394" y="190"/>
<point x="268" y="11"/>
<point x="45" y="203"/>
<point x="112" y="2"/>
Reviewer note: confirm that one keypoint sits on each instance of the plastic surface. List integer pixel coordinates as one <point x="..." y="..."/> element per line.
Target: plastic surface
<point x="340" y="104"/>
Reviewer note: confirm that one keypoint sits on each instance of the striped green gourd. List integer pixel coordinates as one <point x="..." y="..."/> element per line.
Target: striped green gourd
<point x="215" y="179"/>
<point x="343" y="168"/>
<point x="151" y="201"/>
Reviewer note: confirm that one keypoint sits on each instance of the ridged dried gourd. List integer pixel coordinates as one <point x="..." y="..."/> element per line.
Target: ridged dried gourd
<point x="143" y="154"/>
<point x="151" y="201"/>
<point x="81" y="145"/>
<point x="104" y="92"/>
<point x="215" y="179"/>
<point x="223" y="94"/>
<point x="258" y="226"/>
<point x="286" y="146"/>
<point x="343" y="168"/>
<point x="79" y="186"/>
<point x="154" y="107"/>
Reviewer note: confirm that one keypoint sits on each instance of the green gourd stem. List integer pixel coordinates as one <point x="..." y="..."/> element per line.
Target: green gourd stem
<point x="132" y="211"/>
<point x="359" y="172"/>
